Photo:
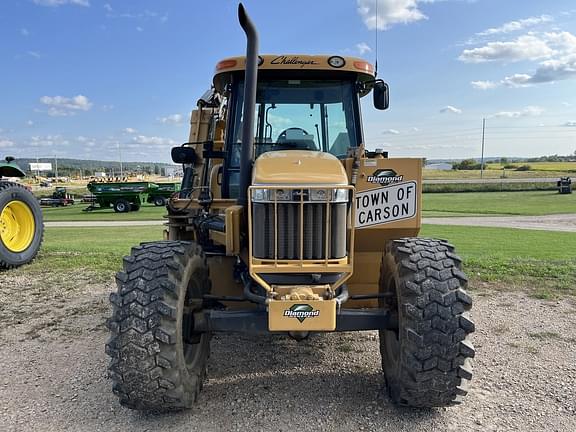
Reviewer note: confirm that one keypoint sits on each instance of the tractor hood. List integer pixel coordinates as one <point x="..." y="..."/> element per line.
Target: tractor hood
<point x="10" y="169"/>
<point x="298" y="167"/>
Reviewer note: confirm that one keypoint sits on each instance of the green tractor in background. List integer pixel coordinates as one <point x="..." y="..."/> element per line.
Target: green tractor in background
<point x="21" y="222"/>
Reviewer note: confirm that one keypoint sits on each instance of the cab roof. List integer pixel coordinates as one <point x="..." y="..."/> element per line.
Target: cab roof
<point x="297" y="65"/>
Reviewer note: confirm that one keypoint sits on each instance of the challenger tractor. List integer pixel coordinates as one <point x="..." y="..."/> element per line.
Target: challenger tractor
<point x="21" y="222"/>
<point x="286" y="224"/>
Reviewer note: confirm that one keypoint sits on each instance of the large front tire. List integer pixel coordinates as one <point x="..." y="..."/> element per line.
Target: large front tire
<point x="427" y="359"/>
<point x="21" y="225"/>
<point x="157" y="362"/>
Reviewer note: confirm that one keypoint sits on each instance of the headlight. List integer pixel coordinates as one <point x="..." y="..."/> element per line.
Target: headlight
<point x="294" y="195"/>
<point x="341" y="195"/>
<point x="259" y="195"/>
<point x="318" y="194"/>
<point x="283" y="194"/>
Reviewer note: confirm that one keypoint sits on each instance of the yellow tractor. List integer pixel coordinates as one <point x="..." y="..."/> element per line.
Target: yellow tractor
<point x="286" y="224"/>
<point x="21" y="222"/>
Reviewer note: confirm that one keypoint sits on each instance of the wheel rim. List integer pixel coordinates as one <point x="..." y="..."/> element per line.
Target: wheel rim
<point x="17" y="226"/>
<point x="121" y="206"/>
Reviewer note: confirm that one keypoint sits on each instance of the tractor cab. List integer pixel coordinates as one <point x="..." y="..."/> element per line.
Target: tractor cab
<point x="306" y="103"/>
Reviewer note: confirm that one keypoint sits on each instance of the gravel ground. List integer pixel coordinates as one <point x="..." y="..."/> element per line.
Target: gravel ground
<point x="559" y="222"/>
<point x="54" y="372"/>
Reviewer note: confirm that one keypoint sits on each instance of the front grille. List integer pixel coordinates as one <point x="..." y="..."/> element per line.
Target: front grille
<point x="304" y="230"/>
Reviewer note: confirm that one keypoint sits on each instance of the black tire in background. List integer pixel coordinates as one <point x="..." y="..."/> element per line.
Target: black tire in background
<point x="134" y="207"/>
<point x="427" y="361"/>
<point x="9" y="192"/>
<point x="121" y="206"/>
<point x="159" y="201"/>
<point x="157" y="363"/>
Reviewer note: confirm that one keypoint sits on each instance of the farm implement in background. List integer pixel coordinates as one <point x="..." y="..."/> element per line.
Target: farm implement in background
<point x="124" y="197"/>
<point x="60" y="198"/>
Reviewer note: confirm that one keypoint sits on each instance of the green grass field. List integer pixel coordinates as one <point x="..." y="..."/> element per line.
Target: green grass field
<point x="504" y="203"/>
<point x="75" y="213"/>
<point x="489" y="174"/>
<point x="96" y="251"/>
<point x="541" y="262"/>
<point x="494" y="170"/>
<point x="540" y="166"/>
<point x="545" y="261"/>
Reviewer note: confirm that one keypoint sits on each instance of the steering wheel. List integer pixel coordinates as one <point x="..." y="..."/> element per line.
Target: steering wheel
<point x="282" y="136"/>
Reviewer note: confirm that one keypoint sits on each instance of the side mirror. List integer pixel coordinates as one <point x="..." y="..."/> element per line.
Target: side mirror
<point x="381" y="95"/>
<point x="184" y="155"/>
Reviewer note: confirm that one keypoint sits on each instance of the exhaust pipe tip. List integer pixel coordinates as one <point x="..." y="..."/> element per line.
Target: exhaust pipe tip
<point x="242" y="15"/>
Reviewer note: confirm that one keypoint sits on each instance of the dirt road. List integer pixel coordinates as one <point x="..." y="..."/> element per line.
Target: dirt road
<point x="54" y="372"/>
<point x="563" y="222"/>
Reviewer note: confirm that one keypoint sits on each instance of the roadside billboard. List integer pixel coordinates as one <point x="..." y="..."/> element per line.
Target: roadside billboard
<point x="40" y="166"/>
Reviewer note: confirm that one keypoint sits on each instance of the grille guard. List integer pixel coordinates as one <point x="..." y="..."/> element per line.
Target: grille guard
<point x="342" y="265"/>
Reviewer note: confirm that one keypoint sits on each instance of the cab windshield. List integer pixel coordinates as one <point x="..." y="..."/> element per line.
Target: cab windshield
<point x="318" y="115"/>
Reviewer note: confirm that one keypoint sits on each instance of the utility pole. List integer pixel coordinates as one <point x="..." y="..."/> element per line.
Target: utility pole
<point x="56" y="164"/>
<point x="120" y="156"/>
<point x="482" y="159"/>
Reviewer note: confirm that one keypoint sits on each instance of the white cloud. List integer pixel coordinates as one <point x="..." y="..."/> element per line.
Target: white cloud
<point x="450" y="109"/>
<point x="555" y="50"/>
<point x="363" y="48"/>
<point x="484" y="85"/>
<point x="29" y="123"/>
<point x="173" y="119"/>
<point x="24" y="32"/>
<point x="55" y="3"/>
<point x="5" y="143"/>
<point x="391" y="132"/>
<point x="140" y="29"/>
<point x="129" y="130"/>
<point x="527" y="47"/>
<point x="85" y="141"/>
<point x="517" y="25"/>
<point x="141" y="16"/>
<point x="34" y="54"/>
<point x="390" y="12"/>
<point x="281" y="122"/>
<point x="47" y="141"/>
<point x="152" y="140"/>
<point x="570" y="124"/>
<point x="529" y="111"/>
<point x="59" y="106"/>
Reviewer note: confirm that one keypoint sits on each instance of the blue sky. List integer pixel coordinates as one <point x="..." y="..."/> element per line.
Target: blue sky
<point x="85" y="78"/>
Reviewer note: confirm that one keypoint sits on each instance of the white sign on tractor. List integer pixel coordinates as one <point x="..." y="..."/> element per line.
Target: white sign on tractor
<point x="386" y="204"/>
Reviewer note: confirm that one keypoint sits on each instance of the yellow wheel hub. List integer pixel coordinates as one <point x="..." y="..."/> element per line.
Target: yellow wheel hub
<point x="17" y="226"/>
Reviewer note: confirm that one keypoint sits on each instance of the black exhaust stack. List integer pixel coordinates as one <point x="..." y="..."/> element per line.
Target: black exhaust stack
<point x="250" y="80"/>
